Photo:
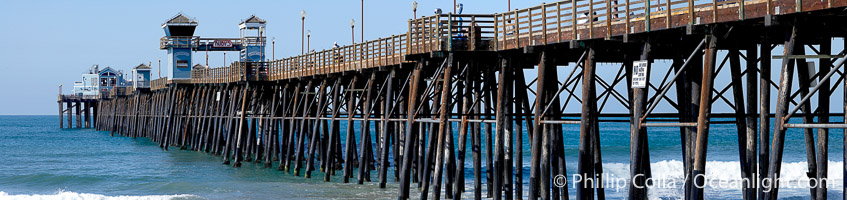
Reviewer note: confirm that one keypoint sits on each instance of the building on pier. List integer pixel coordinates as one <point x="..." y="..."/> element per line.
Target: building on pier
<point x="254" y="42"/>
<point x="110" y="79"/>
<point x="179" y="40"/>
<point x="142" y="76"/>
<point x="99" y="81"/>
<point x="89" y="86"/>
<point x="199" y="67"/>
<point x="181" y="43"/>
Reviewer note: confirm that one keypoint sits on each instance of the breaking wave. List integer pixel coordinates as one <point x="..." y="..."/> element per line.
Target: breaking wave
<point x="86" y="196"/>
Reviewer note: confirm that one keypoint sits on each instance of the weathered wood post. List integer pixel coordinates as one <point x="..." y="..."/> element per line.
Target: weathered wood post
<point x="503" y="124"/>
<point x="333" y="137"/>
<point x="844" y="136"/>
<point x="86" y="107"/>
<point x="585" y="168"/>
<point x="230" y="132"/>
<point x="741" y="123"/>
<point x="508" y="133"/>
<point x="292" y="135"/>
<point x="96" y="112"/>
<point x="443" y="124"/>
<point x="283" y="111"/>
<point x="69" y="111"/>
<point x="764" y="113"/>
<point x="523" y="109"/>
<point x="803" y="81"/>
<point x="488" y="97"/>
<point x="61" y="114"/>
<point x="752" y="135"/>
<point x="241" y="126"/>
<point x="78" y="114"/>
<point x="308" y="104"/>
<point x="476" y="141"/>
<point x="824" y="95"/>
<point x="703" y="118"/>
<point x="465" y="91"/>
<point x="637" y="131"/>
<point x="539" y="185"/>
<point x="365" y="134"/>
<point x="350" y="141"/>
<point x="319" y="113"/>
<point x="411" y="133"/>
<point x="386" y="116"/>
<point x="786" y="76"/>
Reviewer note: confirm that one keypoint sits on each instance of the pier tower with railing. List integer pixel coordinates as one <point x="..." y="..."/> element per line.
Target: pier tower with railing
<point x="252" y="32"/>
<point x="180" y="42"/>
<point x="179" y="34"/>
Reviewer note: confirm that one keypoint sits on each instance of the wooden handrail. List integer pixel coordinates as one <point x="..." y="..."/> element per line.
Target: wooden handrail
<point x="562" y="21"/>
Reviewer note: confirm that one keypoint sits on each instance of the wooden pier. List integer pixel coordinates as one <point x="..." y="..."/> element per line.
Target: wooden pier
<point x="409" y="92"/>
<point x="84" y="108"/>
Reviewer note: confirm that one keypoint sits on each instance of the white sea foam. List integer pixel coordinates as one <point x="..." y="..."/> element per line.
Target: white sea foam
<point x="729" y="171"/>
<point x="66" y="195"/>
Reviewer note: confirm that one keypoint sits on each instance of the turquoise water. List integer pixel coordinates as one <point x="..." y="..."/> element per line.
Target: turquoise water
<point x="43" y="161"/>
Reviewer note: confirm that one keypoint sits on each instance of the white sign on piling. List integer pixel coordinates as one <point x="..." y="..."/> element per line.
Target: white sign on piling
<point x="639" y="74"/>
<point x="812" y="72"/>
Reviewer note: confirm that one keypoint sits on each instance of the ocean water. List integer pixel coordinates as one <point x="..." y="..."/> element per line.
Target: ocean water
<point x="42" y="161"/>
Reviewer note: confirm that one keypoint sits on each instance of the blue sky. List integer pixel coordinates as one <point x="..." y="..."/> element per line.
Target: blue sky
<point x="52" y="42"/>
<point x="59" y="40"/>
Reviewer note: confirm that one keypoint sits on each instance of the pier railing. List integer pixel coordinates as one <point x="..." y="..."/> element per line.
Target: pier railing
<point x="544" y="24"/>
<point x="235" y="72"/>
<point x="142" y="84"/>
<point x="73" y="97"/>
<point x="375" y="53"/>
<point x="592" y="19"/>
<point x="450" y="32"/>
<point x="251" y="41"/>
<point x="158" y="84"/>
<point x="427" y="34"/>
<point x="231" y="73"/>
<point x="178" y="42"/>
<point x="118" y="91"/>
<point x="195" y="41"/>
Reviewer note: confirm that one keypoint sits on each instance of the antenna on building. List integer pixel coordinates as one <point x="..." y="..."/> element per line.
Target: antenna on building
<point x="94" y="69"/>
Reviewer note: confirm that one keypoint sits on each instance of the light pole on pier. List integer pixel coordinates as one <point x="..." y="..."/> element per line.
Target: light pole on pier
<point x="302" y="29"/>
<point x="353" y="39"/>
<point x="363" y="21"/>
<point x="414" y="9"/>
<point x="308" y="40"/>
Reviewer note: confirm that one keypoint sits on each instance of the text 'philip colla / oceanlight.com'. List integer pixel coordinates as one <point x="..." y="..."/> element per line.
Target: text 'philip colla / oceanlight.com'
<point x="610" y="181"/>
